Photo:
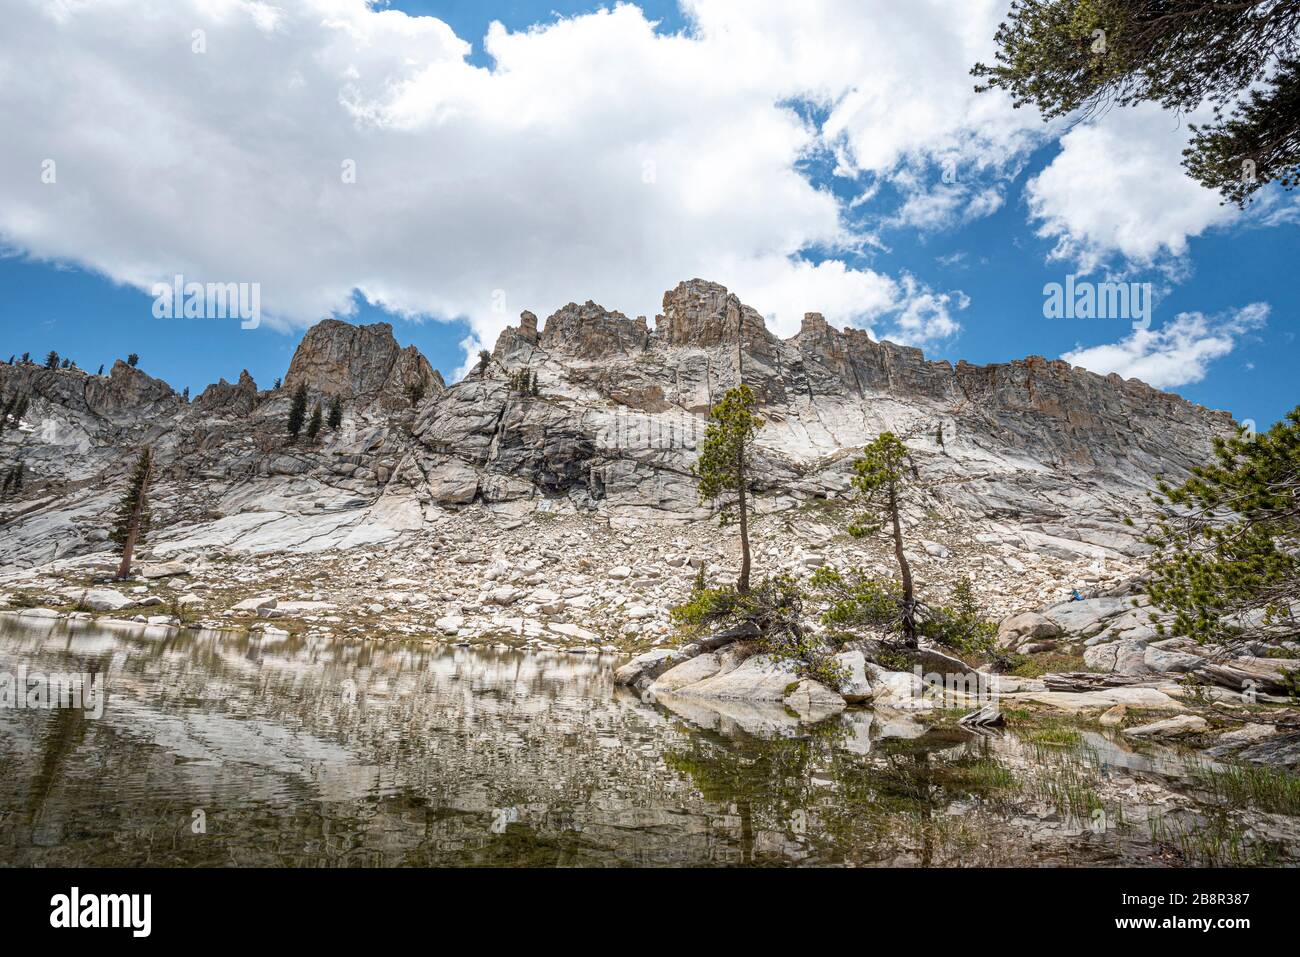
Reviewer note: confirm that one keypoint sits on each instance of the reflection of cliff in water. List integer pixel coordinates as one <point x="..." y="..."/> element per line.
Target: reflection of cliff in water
<point x="302" y="752"/>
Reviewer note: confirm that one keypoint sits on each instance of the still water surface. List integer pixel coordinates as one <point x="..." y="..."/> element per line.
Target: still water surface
<point x="219" y="749"/>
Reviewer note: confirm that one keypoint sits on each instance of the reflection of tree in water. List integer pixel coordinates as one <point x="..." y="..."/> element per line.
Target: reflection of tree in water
<point x="892" y="805"/>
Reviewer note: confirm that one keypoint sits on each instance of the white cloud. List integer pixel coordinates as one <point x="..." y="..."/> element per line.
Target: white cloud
<point x="1175" y="354"/>
<point x="595" y="159"/>
<point x="1118" y="189"/>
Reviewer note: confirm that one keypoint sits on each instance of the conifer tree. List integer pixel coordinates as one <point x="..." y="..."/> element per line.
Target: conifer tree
<point x="18" y="477"/>
<point x="335" y="418"/>
<point x="313" y="426"/>
<point x="726" y="464"/>
<point x="133" y="517"/>
<point x="882" y="480"/>
<point x="133" y="360"/>
<point x="1240" y="58"/>
<point x="52" y="360"/>
<point x="1227" y="544"/>
<point x="297" y="411"/>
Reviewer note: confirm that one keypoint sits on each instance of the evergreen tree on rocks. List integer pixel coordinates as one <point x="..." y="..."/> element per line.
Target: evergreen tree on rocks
<point x="313" y="426"/>
<point x="133" y="360"/>
<point x="133" y="518"/>
<point x="52" y="360"/>
<point x="297" y="411"/>
<point x="335" y="417"/>
<point x="726" y="464"/>
<point x="883" y="480"/>
<point x="1227" y="544"/>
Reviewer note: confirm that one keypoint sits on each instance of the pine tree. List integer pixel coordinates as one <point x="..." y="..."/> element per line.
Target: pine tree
<point x="415" y="392"/>
<point x="133" y="518"/>
<point x="18" y="477"/>
<point x="20" y="411"/>
<point x="484" y="360"/>
<point x="101" y="369"/>
<point x="276" y="385"/>
<point x="9" y="407"/>
<point x="1242" y="59"/>
<point x="313" y="426"/>
<point x="882" y="480"/>
<point x="185" y="393"/>
<point x="27" y="358"/>
<point x="52" y="360"/>
<point x="297" y="411"/>
<point x="335" y="418"/>
<point x="8" y="484"/>
<point x="133" y="360"/>
<point x="725" y="465"/>
<point x="1226" y="560"/>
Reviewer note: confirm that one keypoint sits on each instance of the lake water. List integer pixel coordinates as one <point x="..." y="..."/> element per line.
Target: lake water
<point x="219" y="749"/>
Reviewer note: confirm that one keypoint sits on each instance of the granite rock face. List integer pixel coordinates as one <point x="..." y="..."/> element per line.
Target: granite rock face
<point x="1042" y="459"/>
<point x="359" y="362"/>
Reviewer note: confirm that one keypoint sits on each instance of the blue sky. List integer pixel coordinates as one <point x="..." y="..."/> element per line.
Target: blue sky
<point x="855" y="194"/>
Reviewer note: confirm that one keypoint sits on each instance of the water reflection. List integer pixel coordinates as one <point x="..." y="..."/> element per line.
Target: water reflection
<point x="220" y="749"/>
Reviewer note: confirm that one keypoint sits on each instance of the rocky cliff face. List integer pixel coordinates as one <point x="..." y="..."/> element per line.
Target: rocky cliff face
<point x="360" y="362"/>
<point x="1052" y="455"/>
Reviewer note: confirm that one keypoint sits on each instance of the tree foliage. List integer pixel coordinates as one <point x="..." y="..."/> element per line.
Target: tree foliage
<point x="1241" y="56"/>
<point x="859" y="605"/>
<point x="1227" y="544"/>
<point x="314" y="424"/>
<point x="775" y="608"/>
<point x="883" y="480"/>
<point x="297" y="411"/>
<point x="133" y="515"/>
<point x="335" y="417"/>
<point x="726" y="464"/>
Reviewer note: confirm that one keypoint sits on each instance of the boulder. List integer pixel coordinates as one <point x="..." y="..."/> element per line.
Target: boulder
<point x="1121" y="657"/>
<point x="1174" y="727"/>
<point x="1103" y="699"/>
<point x="757" y="678"/>
<point x="254" y="604"/>
<point x="106" y="599"/>
<point x="645" y="667"/>
<point x="687" y="673"/>
<point x="164" y="570"/>
<point x="856" y="687"/>
<point x="813" y="701"/>
<point x="1029" y="626"/>
<point x="450" y="624"/>
<point x="1085" y="618"/>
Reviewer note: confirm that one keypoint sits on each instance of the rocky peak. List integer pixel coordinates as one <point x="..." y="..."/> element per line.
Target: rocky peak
<point x="701" y="313"/>
<point x="513" y="340"/>
<point x="128" y="392"/>
<point x="590" y="331"/>
<point x="362" y="362"/>
<point x="223" y="399"/>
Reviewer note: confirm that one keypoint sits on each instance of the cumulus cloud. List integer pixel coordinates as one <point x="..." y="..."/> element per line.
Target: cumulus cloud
<point x="1175" y="354"/>
<point x="1117" y="189"/>
<point x="594" y="159"/>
